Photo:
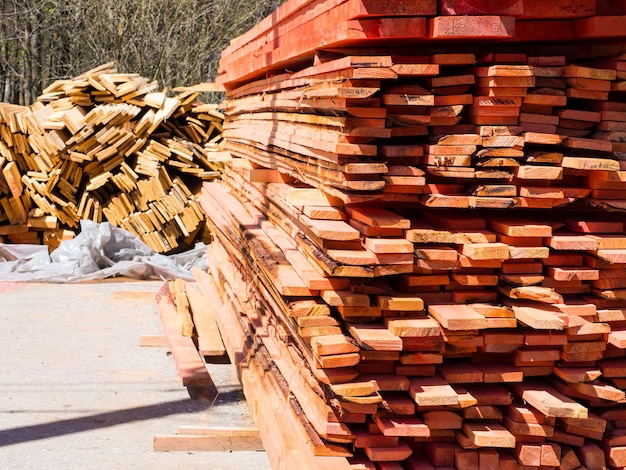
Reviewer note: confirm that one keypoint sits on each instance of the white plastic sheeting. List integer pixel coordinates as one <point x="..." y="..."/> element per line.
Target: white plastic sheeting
<point x="99" y="251"/>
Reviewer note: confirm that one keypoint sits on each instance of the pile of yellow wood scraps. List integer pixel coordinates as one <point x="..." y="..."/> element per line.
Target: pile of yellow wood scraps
<point x="107" y="146"/>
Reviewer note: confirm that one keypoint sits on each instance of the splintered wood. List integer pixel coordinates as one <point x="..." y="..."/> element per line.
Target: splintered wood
<point x="107" y="146"/>
<point x="429" y="246"/>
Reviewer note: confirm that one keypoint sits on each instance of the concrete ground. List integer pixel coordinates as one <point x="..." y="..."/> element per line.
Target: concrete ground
<point x="77" y="390"/>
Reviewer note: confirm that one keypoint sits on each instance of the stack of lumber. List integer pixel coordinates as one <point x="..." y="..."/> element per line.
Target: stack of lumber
<point x="480" y="345"/>
<point x="291" y="37"/>
<point x="509" y="131"/>
<point x="107" y="146"/>
<point x="375" y="284"/>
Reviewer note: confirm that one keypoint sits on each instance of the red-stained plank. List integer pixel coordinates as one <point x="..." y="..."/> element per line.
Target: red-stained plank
<point x="539" y="31"/>
<point x="471" y="27"/>
<point x="540" y="9"/>
<point x="482" y="7"/>
<point x="600" y="27"/>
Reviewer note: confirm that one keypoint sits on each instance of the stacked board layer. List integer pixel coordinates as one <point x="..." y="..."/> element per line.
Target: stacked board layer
<point x="107" y="146"/>
<point x="422" y="230"/>
<point x="292" y="35"/>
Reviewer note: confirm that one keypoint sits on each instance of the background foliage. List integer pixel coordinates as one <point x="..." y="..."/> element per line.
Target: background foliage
<point x="176" y="42"/>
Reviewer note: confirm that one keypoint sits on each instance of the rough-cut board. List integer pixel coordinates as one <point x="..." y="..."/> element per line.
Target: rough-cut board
<point x="462" y="27"/>
<point x="538" y="318"/>
<point x="209" y="337"/>
<point x="433" y="391"/>
<point x="179" y="297"/>
<point x="457" y="317"/>
<point x="153" y="341"/>
<point x="190" y="366"/>
<point x="377" y="337"/>
<point x="193" y="439"/>
<point x="489" y="435"/>
<point x="549" y="401"/>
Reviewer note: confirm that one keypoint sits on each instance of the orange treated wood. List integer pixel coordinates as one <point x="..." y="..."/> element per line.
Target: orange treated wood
<point x="549" y="401"/>
<point x="460" y="27"/>
<point x="377" y="337"/>
<point x="464" y="7"/>
<point x="332" y="344"/>
<point x="388" y="454"/>
<point x="457" y="317"/>
<point x="535" y="9"/>
<point x="402" y="426"/>
<point x="433" y="391"/>
<point x="591" y="455"/>
<point x="460" y="373"/>
<point x="489" y="435"/>
<point x="414" y="327"/>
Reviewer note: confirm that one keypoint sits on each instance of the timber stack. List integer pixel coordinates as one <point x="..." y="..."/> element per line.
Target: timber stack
<point x="107" y="146"/>
<point x="420" y="241"/>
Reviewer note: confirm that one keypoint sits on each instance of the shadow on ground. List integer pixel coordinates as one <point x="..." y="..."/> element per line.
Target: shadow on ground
<point x="199" y="402"/>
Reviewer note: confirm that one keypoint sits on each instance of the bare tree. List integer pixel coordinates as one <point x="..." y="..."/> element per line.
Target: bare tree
<point x="177" y="43"/>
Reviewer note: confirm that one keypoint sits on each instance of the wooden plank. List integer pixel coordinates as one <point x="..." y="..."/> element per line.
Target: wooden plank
<point x="498" y="373"/>
<point x="549" y="401"/>
<point x="599" y="27"/>
<point x="489" y="435"/>
<point x="535" y="9"/>
<point x="538" y="318"/>
<point x="12" y="176"/>
<point x="591" y="455"/>
<point x="388" y="454"/>
<point x="577" y="374"/>
<point x="540" y="294"/>
<point x="190" y="366"/>
<point x="375" y="217"/>
<point x="179" y="296"/>
<point x="333" y="344"/>
<point x="377" y="337"/>
<point x="459" y="373"/>
<point x="356" y="389"/>
<point x="433" y="391"/>
<point x="363" y="439"/>
<point x="400" y="302"/>
<point x="414" y="327"/>
<point x="153" y="341"/>
<point x="442" y="419"/>
<point x="463" y="7"/>
<point x="484" y="251"/>
<point x="457" y="317"/>
<point x="459" y="27"/>
<point x="205" y="439"/>
<point x="209" y="337"/>
<point x="389" y="245"/>
<point x="402" y="426"/>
